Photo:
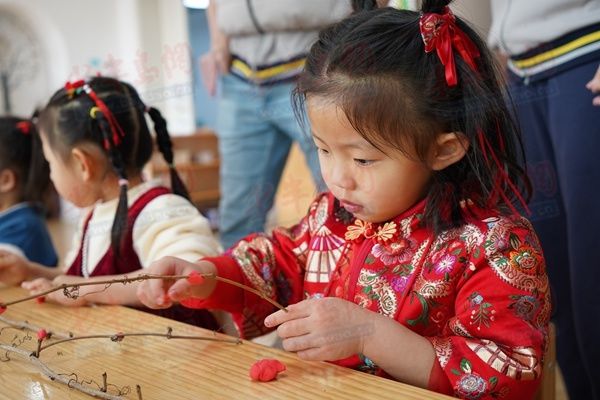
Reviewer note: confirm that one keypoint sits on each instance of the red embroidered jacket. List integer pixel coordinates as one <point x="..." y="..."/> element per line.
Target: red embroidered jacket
<point x="479" y="293"/>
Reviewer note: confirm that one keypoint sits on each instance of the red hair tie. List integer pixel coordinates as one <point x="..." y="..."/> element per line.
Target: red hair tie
<point x="76" y="87"/>
<point x="439" y="32"/>
<point x="24" y="127"/>
<point x="71" y="87"/>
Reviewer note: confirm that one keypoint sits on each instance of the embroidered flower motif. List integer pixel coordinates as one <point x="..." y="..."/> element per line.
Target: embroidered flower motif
<point x="471" y="237"/>
<point x="525" y="258"/>
<point x="365" y="230"/>
<point x="482" y="312"/>
<point x="399" y="283"/>
<point x="393" y="253"/>
<point x="525" y="307"/>
<point x="471" y="386"/>
<point x="386" y="232"/>
<point x="363" y="300"/>
<point x="266" y="273"/>
<point x="360" y="228"/>
<point x="476" y="299"/>
<point x="445" y="264"/>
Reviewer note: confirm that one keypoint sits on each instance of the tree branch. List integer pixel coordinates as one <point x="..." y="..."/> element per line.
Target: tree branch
<point x="64" y="287"/>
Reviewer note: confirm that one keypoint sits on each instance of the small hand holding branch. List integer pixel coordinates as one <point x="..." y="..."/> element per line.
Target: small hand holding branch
<point x="162" y="293"/>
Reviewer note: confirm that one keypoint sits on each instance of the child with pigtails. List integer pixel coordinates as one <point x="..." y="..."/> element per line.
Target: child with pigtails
<point x="96" y="140"/>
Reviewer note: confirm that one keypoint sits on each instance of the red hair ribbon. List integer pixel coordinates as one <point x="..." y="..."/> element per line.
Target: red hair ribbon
<point x="24" y="127"/>
<point x="503" y="175"/>
<point x="439" y="32"/>
<point x="117" y="132"/>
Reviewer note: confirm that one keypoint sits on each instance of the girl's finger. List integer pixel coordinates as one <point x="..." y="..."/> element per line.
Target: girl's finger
<point x="297" y="327"/>
<point x="295" y="311"/>
<point x="298" y="343"/>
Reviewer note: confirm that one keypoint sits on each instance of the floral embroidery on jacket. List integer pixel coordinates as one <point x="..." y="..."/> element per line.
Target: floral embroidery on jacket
<point x="478" y="292"/>
<point x="394" y="252"/>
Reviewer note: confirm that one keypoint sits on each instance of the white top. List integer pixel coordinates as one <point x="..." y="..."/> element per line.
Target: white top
<point x="169" y="225"/>
<point x="290" y="27"/>
<point x="520" y="25"/>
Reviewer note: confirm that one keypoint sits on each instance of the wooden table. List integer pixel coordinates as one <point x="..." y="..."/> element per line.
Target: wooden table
<point x="167" y="369"/>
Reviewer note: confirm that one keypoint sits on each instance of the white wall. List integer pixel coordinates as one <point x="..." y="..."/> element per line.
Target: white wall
<point x="477" y="12"/>
<point x="141" y="41"/>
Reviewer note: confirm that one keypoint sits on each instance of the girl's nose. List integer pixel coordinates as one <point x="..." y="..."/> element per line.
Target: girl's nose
<point x="341" y="176"/>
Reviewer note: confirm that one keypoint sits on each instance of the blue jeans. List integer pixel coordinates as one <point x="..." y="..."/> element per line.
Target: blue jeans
<point x="256" y="128"/>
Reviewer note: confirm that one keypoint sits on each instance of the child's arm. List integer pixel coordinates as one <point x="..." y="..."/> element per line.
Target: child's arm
<point x="171" y="226"/>
<point x="274" y="265"/>
<point x="15" y="269"/>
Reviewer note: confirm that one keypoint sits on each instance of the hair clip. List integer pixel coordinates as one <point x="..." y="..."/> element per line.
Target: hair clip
<point x="73" y="88"/>
<point x="24" y="127"/>
<point x="93" y="111"/>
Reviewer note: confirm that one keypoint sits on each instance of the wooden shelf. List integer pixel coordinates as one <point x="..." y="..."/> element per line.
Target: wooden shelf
<point x="197" y="162"/>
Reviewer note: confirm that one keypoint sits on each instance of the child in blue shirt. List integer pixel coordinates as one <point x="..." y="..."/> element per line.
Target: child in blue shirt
<point x="24" y="179"/>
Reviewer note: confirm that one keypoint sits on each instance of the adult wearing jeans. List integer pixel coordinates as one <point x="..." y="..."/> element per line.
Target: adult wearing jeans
<point x="257" y="49"/>
<point x="554" y="54"/>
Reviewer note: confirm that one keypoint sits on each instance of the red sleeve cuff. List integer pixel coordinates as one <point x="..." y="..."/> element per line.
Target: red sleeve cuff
<point x="225" y="296"/>
<point x="438" y="380"/>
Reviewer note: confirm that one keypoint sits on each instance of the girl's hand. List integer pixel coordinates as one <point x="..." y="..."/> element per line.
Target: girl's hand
<point x="594" y="86"/>
<point x="42" y="284"/>
<point x="159" y="293"/>
<point x="14" y="269"/>
<point x="323" y="329"/>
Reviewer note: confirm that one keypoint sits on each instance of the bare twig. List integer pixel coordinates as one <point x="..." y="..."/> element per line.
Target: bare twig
<point x="119" y="336"/>
<point x="26" y="325"/>
<point x="64" y="287"/>
<point x="58" y="377"/>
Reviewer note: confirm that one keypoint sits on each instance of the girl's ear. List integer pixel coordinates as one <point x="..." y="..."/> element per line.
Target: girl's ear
<point x="448" y="149"/>
<point x="8" y="180"/>
<point x="84" y="164"/>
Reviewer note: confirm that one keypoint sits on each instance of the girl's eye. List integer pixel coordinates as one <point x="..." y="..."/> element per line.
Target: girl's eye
<point x="323" y="151"/>
<point x="363" y="163"/>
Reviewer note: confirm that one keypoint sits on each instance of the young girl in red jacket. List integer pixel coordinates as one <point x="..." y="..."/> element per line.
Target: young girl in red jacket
<point x="416" y="264"/>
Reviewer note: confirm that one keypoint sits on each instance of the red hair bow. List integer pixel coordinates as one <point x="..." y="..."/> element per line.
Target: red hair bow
<point x="439" y="32"/>
<point x="24" y="127"/>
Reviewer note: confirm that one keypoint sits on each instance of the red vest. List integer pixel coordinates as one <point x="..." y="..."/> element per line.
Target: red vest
<point x="128" y="261"/>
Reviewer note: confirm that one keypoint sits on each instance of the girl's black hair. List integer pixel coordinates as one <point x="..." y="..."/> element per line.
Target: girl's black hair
<point x="373" y="65"/>
<point x="71" y="118"/>
<point x="21" y="152"/>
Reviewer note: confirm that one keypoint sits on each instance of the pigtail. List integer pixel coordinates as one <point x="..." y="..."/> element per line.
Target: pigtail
<point x="165" y="146"/>
<point x="37" y="179"/>
<point x="120" y="221"/>
<point x="21" y="151"/>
